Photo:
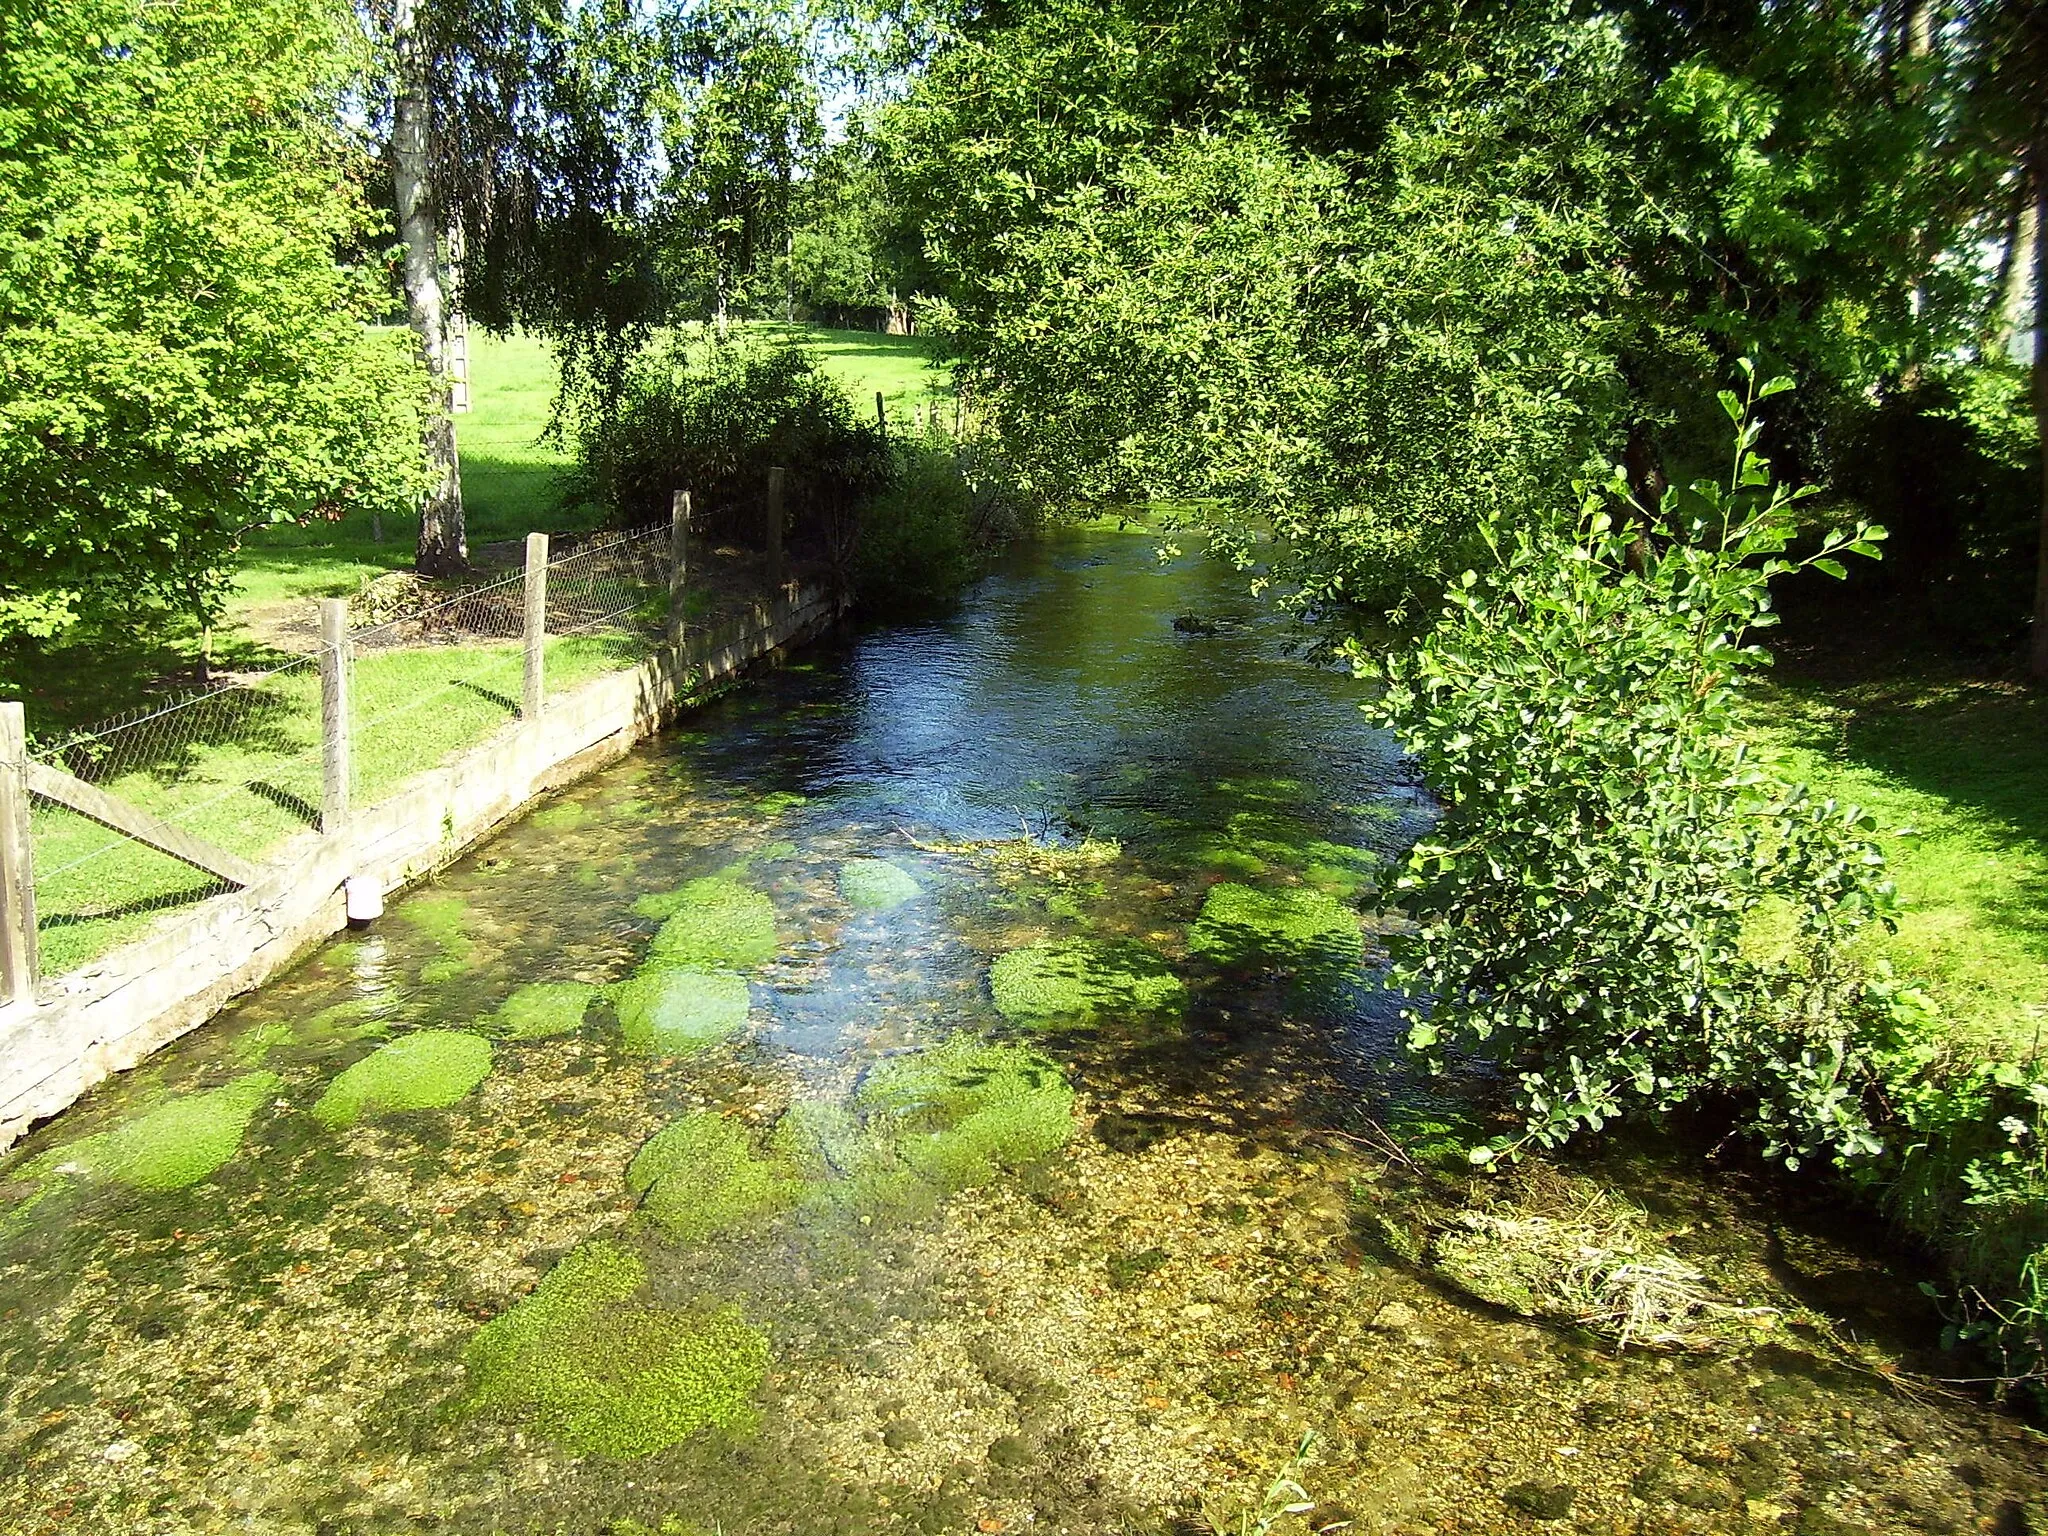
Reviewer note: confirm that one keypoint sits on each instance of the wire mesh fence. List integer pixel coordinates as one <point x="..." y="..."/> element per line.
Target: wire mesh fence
<point x="239" y="768"/>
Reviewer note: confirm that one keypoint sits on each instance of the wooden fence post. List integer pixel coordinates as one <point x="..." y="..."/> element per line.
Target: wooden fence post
<point x="881" y="415"/>
<point x="773" y="529"/>
<point x="678" y="567"/>
<point x="535" y="693"/>
<point x="18" y="955"/>
<point x="334" y="716"/>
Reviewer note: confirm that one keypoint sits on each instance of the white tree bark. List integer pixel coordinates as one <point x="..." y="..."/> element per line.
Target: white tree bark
<point x="443" y="546"/>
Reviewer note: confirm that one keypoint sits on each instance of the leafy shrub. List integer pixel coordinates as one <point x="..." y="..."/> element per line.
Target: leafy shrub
<point x="916" y="547"/>
<point x="1630" y="911"/>
<point x="712" y="418"/>
<point x="1588" y="907"/>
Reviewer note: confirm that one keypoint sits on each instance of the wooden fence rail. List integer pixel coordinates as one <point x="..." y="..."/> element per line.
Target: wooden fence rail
<point x="22" y="777"/>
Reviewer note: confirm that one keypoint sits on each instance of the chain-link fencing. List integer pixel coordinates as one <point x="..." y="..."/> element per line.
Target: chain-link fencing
<point x="229" y="775"/>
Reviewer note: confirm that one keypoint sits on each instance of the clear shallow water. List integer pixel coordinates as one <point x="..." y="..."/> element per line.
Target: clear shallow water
<point x="1109" y="1337"/>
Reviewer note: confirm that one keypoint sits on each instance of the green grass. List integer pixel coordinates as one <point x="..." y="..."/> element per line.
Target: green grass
<point x="1955" y="772"/>
<point x="243" y="771"/>
<point x="900" y="367"/>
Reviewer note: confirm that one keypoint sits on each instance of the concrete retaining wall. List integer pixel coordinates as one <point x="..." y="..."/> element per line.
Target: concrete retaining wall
<point x="107" y="1016"/>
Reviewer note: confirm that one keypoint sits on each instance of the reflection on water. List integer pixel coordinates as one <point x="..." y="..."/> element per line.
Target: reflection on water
<point x="671" y="1165"/>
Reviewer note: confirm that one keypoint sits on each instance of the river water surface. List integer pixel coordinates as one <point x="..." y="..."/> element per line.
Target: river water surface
<point x="789" y="1204"/>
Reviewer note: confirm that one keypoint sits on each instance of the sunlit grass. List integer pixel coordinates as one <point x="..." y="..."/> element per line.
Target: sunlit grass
<point x="1955" y="772"/>
<point x="243" y="771"/>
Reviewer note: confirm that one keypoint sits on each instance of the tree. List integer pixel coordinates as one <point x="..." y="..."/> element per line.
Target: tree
<point x="183" y="358"/>
<point x="1541" y="233"/>
<point x="443" y="542"/>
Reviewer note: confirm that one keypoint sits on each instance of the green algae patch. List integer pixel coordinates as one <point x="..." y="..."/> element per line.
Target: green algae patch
<point x="711" y="923"/>
<point x="876" y="885"/>
<point x="174" y="1145"/>
<point x="850" y="1164"/>
<point x="543" y="1008"/>
<point x="560" y="815"/>
<point x="441" y="919"/>
<point x="677" y="1011"/>
<point x="964" y="1110"/>
<point x="605" y="1376"/>
<point x="779" y="801"/>
<point x="430" y="1069"/>
<point x="1076" y="982"/>
<point x="1309" y="930"/>
<point x="701" y="1175"/>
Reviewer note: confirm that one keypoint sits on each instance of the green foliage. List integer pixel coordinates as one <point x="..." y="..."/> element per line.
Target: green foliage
<point x="712" y="418"/>
<point x="173" y="1145"/>
<point x="962" y="1110"/>
<point x="700" y="1175"/>
<point x="607" y="1375"/>
<point x="543" y="1008"/>
<point x="675" y="1011"/>
<point x="1079" y="982"/>
<point x="429" y="1069"/>
<point x="876" y="885"/>
<point x="1608" y="840"/>
<point x="1340" y="275"/>
<point x="714" y="922"/>
<point x="183" y="357"/>
<point x="1304" y="930"/>
<point x="917" y="545"/>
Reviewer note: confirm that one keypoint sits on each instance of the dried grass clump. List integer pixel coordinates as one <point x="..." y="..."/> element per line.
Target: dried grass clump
<point x="1567" y="1250"/>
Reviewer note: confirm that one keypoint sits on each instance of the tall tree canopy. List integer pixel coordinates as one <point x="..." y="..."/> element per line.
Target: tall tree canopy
<point x="1351" y="275"/>
<point x="182" y="356"/>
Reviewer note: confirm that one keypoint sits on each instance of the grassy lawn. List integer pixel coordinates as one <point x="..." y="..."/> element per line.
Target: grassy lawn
<point x="242" y="768"/>
<point x="1955" y="770"/>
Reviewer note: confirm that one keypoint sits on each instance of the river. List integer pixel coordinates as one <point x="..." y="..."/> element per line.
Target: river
<point x="938" y="1087"/>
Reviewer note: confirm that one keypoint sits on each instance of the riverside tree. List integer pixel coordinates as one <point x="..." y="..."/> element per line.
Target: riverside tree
<point x="1379" y="269"/>
<point x="183" y="358"/>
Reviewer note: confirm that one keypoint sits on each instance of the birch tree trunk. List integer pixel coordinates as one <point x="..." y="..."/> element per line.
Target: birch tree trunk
<point x="443" y="546"/>
<point x="2038" y="170"/>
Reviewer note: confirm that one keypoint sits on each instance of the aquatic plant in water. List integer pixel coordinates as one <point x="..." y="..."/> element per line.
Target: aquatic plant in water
<point x="677" y="1011"/>
<point x="172" y="1146"/>
<point x="965" y="1109"/>
<point x="441" y="919"/>
<point x="608" y="1377"/>
<point x="543" y="1008"/>
<point x="1566" y="1249"/>
<point x="430" y="1069"/>
<point x="1307" y="929"/>
<point x="701" y="1174"/>
<point x="1075" y="982"/>
<point x="848" y="1162"/>
<point x="711" y="923"/>
<point x="562" y="814"/>
<point x="876" y="885"/>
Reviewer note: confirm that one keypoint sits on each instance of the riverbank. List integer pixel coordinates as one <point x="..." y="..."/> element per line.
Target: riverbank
<point x="1037" y="1185"/>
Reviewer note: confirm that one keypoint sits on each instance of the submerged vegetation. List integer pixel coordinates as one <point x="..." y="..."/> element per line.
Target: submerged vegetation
<point x="429" y="1069"/>
<point x="610" y="1375"/>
